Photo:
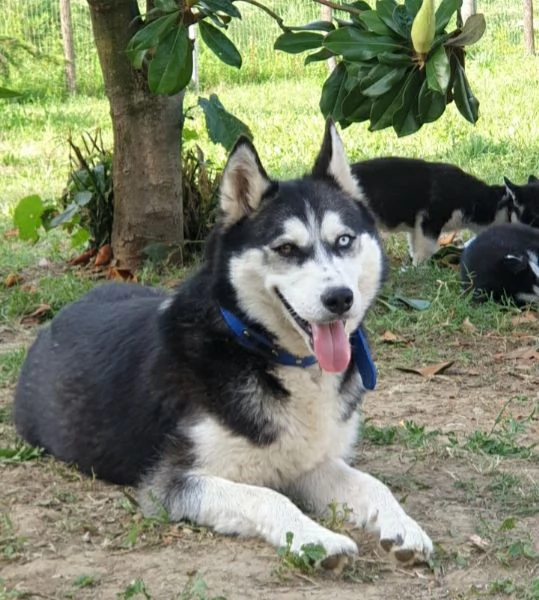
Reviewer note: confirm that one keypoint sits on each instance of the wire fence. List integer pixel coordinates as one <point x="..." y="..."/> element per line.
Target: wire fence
<point x="36" y="23"/>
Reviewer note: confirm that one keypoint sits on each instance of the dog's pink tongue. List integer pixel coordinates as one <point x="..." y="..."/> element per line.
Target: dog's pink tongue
<point x="331" y="346"/>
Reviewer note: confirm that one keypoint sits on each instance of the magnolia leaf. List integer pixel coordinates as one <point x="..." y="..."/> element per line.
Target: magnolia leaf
<point x="223" y="6"/>
<point x="171" y="67"/>
<point x="381" y="79"/>
<point x="431" y="104"/>
<point x="466" y="102"/>
<point x="412" y="6"/>
<point x="471" y="33"/>
<point x="356" y="45"/>
<point x="383" y="108"/>
<point x="332" y="89"/>
<point x="406" y="119"/>
<point x="444" y="13"/>
<point x="438" y="71"/>
<point x="373" y="23"/>
<point x="391" y="15"/>
<point x="220" y="45"/>
<point x="323" y="54"/>
<point x="152" y="33"/>
<point x="295" y="43"/>
<point x="415" y="303"/>
<point x="6" y="93"/>
<point x="395" y="59"/>
<point x="223" y="127"/>
<point x="326" y="26"/>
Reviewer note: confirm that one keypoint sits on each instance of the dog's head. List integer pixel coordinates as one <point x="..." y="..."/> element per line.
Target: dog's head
<point x="524" y="200"/>
<point x="524" y="271"/>
<point x="299" y="258"/>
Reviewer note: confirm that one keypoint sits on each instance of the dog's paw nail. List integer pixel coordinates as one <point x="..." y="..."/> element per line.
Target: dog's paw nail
<point x="387" y="544"/>
<point x="405" y="556"/>
<point x="336" y="563"/>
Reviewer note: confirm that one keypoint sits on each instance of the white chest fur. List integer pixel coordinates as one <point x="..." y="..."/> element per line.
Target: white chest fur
<point x="310" y="429"/>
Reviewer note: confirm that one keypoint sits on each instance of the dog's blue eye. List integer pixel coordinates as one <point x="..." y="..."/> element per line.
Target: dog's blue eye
<point x="344" y="241"/>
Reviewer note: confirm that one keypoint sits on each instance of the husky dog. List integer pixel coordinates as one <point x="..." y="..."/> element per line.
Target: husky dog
<point x="239" y="391"/>
<point x="503" y="263"/>
<point x="526" y="200"/>
<point x="426" y="198"/>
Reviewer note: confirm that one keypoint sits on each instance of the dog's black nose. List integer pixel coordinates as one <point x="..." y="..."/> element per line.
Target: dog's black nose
<point x="338" y="299"/>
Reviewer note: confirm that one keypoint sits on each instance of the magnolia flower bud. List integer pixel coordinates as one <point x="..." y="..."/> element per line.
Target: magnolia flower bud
<point x="424" y="28"/>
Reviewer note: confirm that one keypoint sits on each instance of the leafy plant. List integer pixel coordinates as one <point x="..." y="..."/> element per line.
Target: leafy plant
<point x="381" y="77"/>
<point x="306" y="560"/>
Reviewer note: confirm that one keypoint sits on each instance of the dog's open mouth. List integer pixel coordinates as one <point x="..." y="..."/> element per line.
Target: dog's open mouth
<point x="329" y="340"/>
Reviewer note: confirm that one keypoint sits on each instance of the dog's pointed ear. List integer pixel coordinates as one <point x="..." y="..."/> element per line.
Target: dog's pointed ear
<point x="243" y="183"/>
<point x="332" y="162"/>
<point x="510" y="187"/>
<point x="514" y="264"/>
<point x="532" y="179"/>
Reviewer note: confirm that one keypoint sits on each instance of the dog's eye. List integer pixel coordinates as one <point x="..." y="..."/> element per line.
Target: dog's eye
<point x="285" y="249"/>
<point x="344" y="241"/>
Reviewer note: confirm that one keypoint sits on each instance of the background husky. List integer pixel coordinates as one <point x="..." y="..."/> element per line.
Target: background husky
<point x="503" y="262"/>
<point x="217" y="426"/>
<point x="426" y="198"/>
<point x="526" y="200"/>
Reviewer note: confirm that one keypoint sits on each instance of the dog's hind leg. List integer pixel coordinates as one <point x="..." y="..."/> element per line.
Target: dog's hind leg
<point x="236" y="508"/>
<point x="371" y="506"/>
<point x="422" y="241"/>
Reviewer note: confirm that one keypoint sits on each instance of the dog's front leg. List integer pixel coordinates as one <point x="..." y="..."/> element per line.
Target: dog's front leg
<point x="372" y="506"/>
<point x="236" y="508"/>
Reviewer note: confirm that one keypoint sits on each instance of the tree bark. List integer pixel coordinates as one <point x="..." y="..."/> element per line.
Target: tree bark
<point x="529" y="38"/>
<point x="147" y="142"/>
<point x="469" y="7"/>
<point x="69" y="48"/>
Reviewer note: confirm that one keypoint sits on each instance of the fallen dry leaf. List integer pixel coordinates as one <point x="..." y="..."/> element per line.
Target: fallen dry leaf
<point x="13" y="279"/>
<point x="447" y="238"/>
<point x="29" y="287"/>
<point x="390" y="338"/>
<point x="104" y="256"/>
<point x="524" y="319"/>
<point x="525" y="353"/>
<point x="11" y="233"/>
<point x="120" y="274"/>
<point x="84" y="258"/>
<point x="428" y="371"/>
<point x="35" y="317"/>
<point x="478" y="542"/>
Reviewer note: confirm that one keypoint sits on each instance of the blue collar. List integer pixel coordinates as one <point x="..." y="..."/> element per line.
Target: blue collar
<point x="254" y="341"/>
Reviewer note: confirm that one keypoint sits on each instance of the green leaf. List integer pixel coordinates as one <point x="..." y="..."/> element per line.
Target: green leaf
<point x="396" y="59"/>
<point x="356" y="107"/>
<point x="323" y="54"/>
<point x="223" y="127"/>
<point x="66" y="216"/>
<point x="171" y="67"/>
<point x="438" y="70"/>
<point x="431" y="104"/>
<point x="389" y="13"/>
<point x="415" y="303"/>
<point x="79" y="237"/>
<point x="27" y="217"/>
<point x="224" y="6"/>
<point x="412" y="6"/>
<point x="166" y="6"/>
<point x="5" y="93"/>
<point x="444" y="13"/>
<point x="294" y="43"/>
<point x="466" y="102"/>
<point x="383" y="108"/>
<point x="406" y="118"/>
<point x="471" y="33"/>
<point x="331" y="89"/>
<point x="373" y="23"/>
<point x="219" y="44"/>
<point x="381" y="79"/>
<point x="356" y="45"/>
<point x="152" y="33"/>
<point x="315" y="26"/>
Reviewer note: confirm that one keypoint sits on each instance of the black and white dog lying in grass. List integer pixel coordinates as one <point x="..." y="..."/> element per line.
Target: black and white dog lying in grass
<point x="426" y="198"/>
<point x="502" y="263"/>
<point x="239" y="392"/>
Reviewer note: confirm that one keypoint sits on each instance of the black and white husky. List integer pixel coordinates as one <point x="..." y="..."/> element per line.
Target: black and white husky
<point x="239" y="391"/>
<point x="526" y="200"/>
<point x="425" y="198"/>
<point x="503" y="263"/>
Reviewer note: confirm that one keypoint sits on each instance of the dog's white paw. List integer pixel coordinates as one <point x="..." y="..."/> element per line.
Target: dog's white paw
<point x="334" y="544"/>
<point x="403" y="538"/>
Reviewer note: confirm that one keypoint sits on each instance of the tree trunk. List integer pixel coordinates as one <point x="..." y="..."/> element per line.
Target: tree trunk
<point x="147" y="142"/>
<point x="326" y="15"/>
<point x="69" y="49"/>
<point x="469" y="7"/>
<point x="529" y="41"/>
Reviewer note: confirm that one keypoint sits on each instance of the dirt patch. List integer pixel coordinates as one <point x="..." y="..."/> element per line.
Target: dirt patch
<point x="64" y="535"/>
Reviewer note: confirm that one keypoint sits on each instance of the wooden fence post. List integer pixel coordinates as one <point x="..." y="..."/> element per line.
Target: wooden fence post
<point x="69" y="49"/>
